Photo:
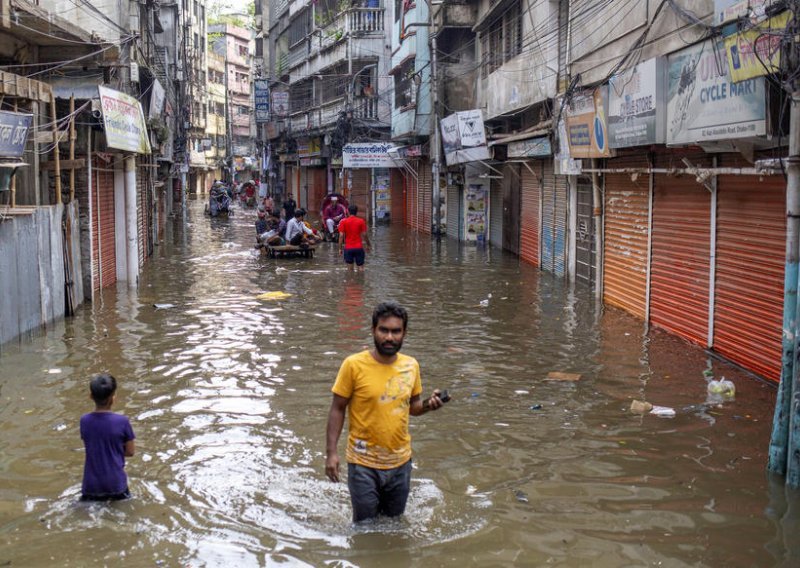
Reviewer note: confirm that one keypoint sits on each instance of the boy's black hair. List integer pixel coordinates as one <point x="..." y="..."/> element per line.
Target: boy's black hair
<point x="388" y="309"/>
<point x="353" y="209"/>
<point x="103" y="387"/>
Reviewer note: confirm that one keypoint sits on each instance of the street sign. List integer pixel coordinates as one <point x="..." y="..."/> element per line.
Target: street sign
<point x="261" y="99"/>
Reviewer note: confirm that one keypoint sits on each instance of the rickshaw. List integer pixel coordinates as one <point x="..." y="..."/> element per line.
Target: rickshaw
<point x="326" y="235"/>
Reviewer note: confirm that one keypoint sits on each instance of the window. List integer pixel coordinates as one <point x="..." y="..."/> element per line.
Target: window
<point x="300" y="27"/>
<point x="501" y="40"/>
<point x="405" y="88"/>
<point x="241" y="49"/>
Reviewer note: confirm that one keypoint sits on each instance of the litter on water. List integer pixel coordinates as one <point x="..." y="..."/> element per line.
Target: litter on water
<point x="277" y="295"/>
<point x="163" y="306"/>
<point x="640" y="407"/>
<point x="559" y="376"/>
<point x="663" y="411"/>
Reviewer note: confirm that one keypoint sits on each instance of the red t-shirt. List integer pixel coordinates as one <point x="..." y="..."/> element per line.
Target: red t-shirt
<point x="352" y="227"/>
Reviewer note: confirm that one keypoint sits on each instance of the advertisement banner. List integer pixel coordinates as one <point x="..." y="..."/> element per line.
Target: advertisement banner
<point x="475" y="213"/>
<point x="14" y="128"/>
<point x="156" y="99"/>
<point x="704" y="105"/>
<point x="636" y="110"/>
<point x="280" y="103"/>
<point x="261" y="97"/>
<point x="309" y="147"/>
<point x="757" y="51"/>
<point x="586" y="124"/>
<point x="463" y="137"/>
<point x="368" y="155"/>
<point x="729" y="10"/>
<point x="124" y="122"/>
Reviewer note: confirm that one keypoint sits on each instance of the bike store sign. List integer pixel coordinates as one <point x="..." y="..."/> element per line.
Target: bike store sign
<point x="368" y="155"/>
<point x="636" y="107"/>
<point x="703" y="104"/>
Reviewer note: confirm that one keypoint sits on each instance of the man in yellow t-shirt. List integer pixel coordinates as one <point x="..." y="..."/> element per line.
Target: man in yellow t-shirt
<point x="381" y="387"/>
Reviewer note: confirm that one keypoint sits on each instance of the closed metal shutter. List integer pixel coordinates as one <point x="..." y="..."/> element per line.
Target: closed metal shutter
<point x="559" y="224"/>
<point x="412" y="201"/>
<point x="141" y="210"/>
<point x="679" y="273"/>
<point x="454" y="211"/>
<point x="529" y="213"/>
<point x="751" y="244"/>
<point x="425" y="197"/>
<point x="318" y="188"/>
<point x="585" y="255"/>
<point x="104" y="256"/>
<point x="362" y="187"/>
<point x="627" y="207"/>
<point x="398" y="195"/>
<point x="548" y="216"/>
<point x="496" y="212"/>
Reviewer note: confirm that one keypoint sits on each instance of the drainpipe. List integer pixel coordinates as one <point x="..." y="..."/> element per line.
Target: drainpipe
<point x="784" y="423"/>
<point x="130" y="221"/>
<point x="597" y="213"/>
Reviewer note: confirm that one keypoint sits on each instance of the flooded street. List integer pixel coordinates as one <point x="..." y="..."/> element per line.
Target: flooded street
<point x="229" y="395"/>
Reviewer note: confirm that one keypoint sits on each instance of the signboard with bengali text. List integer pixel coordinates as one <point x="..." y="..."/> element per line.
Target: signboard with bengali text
<point x="124" y="122"/>
<point x="14" y="128"/>
<point x="368" y="155"/>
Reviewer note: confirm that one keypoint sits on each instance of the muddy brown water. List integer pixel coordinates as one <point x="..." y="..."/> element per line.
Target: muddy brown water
<point x="229" y="395"/>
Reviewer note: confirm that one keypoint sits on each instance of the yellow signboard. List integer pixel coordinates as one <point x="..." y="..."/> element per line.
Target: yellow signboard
<point x="757" y="51"/>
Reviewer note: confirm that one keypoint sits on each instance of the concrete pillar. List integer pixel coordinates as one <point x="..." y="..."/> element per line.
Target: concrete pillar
<point x="130" y="222"/>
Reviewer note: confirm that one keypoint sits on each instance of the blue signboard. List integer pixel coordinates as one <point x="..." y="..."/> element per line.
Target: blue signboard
<point x="261" y="99"/>
<point x="14" y="129"/>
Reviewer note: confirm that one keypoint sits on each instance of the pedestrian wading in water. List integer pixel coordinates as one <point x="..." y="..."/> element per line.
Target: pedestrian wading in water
<point x="379" y="388"/>
<point x="108" y="439"/>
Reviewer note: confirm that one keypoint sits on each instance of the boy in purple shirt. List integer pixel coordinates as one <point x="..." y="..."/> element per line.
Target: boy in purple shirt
<point x="108" y="438"/>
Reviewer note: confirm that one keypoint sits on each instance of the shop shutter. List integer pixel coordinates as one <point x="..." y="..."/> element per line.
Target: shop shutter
<point x="425" y="197"/>
<point x="751" y="245"/>
<point x="104" y="257"/>
<point x="529" y="214"/>
<point x="318" y="189"/>
<point x="141" y="209"/>
<point x="454" y="211"/>
<point x="496" y="211"/>
<point x="585" y="239"/>
<point x="360" y="194"/>
<point x="560" y="225"/>
<point x="412" y="200"/>
<point x="548" y="217"/>
<point x="398" y="194"/>
<point x="679" y="271"/>
<point x="627" y="206"/>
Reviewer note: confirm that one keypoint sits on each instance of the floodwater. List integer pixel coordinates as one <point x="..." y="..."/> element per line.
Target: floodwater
<point x="229" y="394"/>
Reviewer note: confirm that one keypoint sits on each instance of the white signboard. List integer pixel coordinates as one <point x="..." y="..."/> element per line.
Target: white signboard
<point x="728" y="10"/>
<point x="124" y="122"/>
<point x="368" y="155"/>
<point x="636" y="110"/>
<point x="280" y="103"/>
<point x="463" y="137"/>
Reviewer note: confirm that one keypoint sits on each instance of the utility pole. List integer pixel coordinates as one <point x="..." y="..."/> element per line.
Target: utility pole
<point x="784" y="450"/>
<point x="435" y="149"/>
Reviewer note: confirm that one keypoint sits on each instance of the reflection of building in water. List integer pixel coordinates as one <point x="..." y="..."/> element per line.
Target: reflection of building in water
<point x="353" y="314"/>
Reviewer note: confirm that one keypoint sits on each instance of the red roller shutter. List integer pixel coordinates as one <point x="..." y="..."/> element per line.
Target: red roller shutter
<point x="362" y="183"/>
<point x="104" y="256"/>
<point x="679" y="274"/>
<point x="627" y="206"/>
<point x="751" y="244"/>
<point x="529" y="213"/>
<point x="398" y="193"/>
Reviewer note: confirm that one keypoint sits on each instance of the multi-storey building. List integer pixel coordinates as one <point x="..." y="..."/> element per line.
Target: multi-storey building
<point x="235" y="44"/>
<point x="623" y="145"/>
<point x="328" y="63"/>
<point x="216" y="123"/>
<point x="195" y="88"/>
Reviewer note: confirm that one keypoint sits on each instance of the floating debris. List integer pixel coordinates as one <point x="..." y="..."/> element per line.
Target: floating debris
<point x="276" y="295"/>
<point x="640" y="407"/>
<point x="521" y="496"/>
<point x="163" y="306"/>
<point x="559" y="376"/>
<point x="663" y="411"/>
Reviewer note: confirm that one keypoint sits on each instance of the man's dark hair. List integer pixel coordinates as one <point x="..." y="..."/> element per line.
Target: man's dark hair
<point x="388" y="309"/>
<point x="299" y="212"/>
<point x="353" y="209"/>
<point x="103" y="387"/>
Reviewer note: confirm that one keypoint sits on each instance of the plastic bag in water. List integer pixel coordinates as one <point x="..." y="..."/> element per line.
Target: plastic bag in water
<point x="722" y="388"/>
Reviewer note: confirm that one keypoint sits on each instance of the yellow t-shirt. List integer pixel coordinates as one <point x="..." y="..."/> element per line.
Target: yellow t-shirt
<point x="378" y="412"/>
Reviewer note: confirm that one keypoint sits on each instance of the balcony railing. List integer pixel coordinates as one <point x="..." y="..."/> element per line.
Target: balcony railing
<point x="365" y="108"/>
<point x="352" y="22"/>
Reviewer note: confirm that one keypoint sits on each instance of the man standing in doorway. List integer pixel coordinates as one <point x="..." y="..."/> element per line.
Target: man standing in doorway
<point x="380" y="388"/>
<point x="353" y="238"/>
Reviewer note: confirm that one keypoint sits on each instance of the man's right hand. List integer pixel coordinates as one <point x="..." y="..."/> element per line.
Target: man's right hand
<point x="332" y="467"/>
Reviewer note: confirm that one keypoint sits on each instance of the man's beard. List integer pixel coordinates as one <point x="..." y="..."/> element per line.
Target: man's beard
<point x="388" y="348"/>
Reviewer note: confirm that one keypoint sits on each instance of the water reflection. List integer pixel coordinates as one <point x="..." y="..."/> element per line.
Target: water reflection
<point x="229" y="395"/>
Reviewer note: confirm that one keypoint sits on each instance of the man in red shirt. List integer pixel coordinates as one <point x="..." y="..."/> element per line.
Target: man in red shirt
<point x="353" y="238"/>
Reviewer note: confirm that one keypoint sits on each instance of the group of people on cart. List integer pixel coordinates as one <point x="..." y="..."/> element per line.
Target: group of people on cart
<point x="293" y="229"/>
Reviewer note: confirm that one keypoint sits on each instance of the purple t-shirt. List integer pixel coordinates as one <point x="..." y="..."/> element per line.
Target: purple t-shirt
<point x="104" y="435"/>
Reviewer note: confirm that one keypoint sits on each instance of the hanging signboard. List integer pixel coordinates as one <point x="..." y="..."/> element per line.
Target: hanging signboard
<point x="729" y="10"/>
<point x="368" y="155"/>
<point x="14" y="128"/>
<point x="586" y="124"/>
<point x="538" y="147"/>
<point x="309" y="147"/>
<point x="463" y="137"/>
<point x="704" y="105"/>
<point x="280" y="103"/>
<point x="124" y="123"/>
<point x="156" y="99"/>
<point x="756" y="51"/>
<point x="636" y="109"/>
<point x="261" y="97"/>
